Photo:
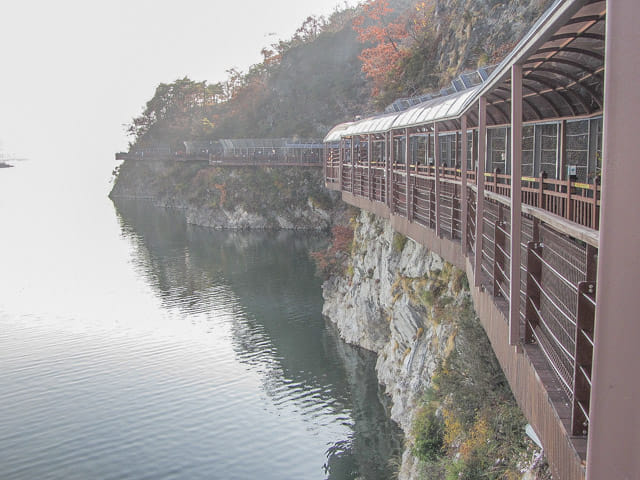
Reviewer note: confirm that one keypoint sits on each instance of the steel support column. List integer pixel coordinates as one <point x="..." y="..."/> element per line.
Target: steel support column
<point x="436" y="162"/>
<point x="614" y="433"/>
<point x="482" y="148"/>
<point x="353" y="163"/>
<point x="407" y="179"/>
<point x="516" y="204"/>
<point x="369" y="182"/>
<point x="463" y="191"/>
<point x="391" y="160"/>
<point x="340" y="160"/>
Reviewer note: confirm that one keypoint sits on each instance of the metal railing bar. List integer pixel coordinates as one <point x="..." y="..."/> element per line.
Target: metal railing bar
<point x="583" y="410"/>
<point x="551" y="363"/>
<point x="486" y="271"/>
<point x="507" y="234"/>
<point x="557" y="274"/>
<point x="504" y="294"/>
<point x="550" y="332"/>
<point x="571" y="321"/>
<point x="504" y="275"/>
<point x="591" y="300"/>
<point x="507" y="255"/>
<point x="588" y="337"/>
<point x="585" y="374"/>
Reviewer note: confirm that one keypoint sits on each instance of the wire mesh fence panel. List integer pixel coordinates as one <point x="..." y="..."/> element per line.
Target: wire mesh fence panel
<point x="489" y="218"/>
<point x="471" y="221"/>
<point x="447" y="192"/>
<point x="423" y="209"/>
<point x="399" y="194"/>
<point x="378" y="185"/>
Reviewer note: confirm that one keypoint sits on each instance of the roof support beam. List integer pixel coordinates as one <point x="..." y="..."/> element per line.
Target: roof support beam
<point x="391" y="159"/>
<point x="369" y="151"/>
<point x="574" y="81"/>
<point x="482" y="149"/>
<point x="516" y="204"/>
<point x="407" y="154"/>
<point x="463" y="192"/>
<point x="436" y="157"/>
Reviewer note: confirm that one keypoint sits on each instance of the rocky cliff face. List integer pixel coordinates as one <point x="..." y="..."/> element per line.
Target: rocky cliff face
<point x="405" y="303"/>
<point x="372" y="308"/>
<point x="233" y="198"/>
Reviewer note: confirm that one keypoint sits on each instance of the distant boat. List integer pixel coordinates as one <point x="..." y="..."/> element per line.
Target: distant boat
<point x="5" y="158"/>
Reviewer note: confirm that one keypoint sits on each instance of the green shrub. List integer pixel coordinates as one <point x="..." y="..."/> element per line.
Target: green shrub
<point x="428" y="434"/>
<point x="399" y="241"/>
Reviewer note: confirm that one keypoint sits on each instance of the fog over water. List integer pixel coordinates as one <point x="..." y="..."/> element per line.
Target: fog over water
<point x="135" y="346"/>
<point x="132" y="345"/>
<point x="73" y="72"/>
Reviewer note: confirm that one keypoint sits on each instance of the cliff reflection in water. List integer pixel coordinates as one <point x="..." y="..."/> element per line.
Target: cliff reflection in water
<point x="263" y="284"/>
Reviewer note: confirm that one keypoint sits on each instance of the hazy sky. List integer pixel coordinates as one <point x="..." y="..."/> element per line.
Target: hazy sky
<point x="75" y="71"/>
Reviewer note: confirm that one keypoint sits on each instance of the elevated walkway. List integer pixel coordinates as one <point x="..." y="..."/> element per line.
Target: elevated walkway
<point x="528" y="182"/>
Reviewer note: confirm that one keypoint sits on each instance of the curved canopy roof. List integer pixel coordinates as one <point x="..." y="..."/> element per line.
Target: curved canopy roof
<point x="563" y="76"/>
<point x="268" y="143"/>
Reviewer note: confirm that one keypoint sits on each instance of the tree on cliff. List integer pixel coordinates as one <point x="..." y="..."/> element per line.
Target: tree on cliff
<point x="379" y="26"/>
<point x="177" y="111"/>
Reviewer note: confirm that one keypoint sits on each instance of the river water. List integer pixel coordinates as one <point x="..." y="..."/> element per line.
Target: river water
<point x="134" y="346"/>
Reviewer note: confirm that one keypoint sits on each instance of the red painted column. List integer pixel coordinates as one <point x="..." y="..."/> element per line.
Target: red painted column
<point x="392" y="150"/>
<point x="340" y="159"/>
<point x="614" y="430"/>
<point x="436" y="162"/>
<point x="353" y="163"/>
<point x="370" y="181"/>
<point x="482" y="148"/>
<point x="407" y="151"/>
<point x="516" y="204"/>
<point x="463" y="188"/>
<point x="325" y="157"/>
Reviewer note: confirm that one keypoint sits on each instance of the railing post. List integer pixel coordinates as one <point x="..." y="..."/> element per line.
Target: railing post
<point x="463" y="188"/>
<point x="534" y="276"/>
<point x="436" y="161"/>
<point x="594" y="205"/>
<point x="585" y="322"/>
<point x="454" y="200"/>
<point x="482" y="149"/>
<point x="498" y="257"/>
<point x="568" y="210"/>
<point x="541" y="190"/>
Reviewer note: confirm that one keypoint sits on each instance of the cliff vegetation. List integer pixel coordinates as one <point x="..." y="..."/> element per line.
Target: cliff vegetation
<point x="354" y="62"/>
<point x="394" y="297"/>
<point x="236" y="198"/>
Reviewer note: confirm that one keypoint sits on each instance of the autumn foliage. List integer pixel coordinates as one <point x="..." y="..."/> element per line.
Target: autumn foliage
<point x="377" y="25"/>
<point x="331" y="261"/>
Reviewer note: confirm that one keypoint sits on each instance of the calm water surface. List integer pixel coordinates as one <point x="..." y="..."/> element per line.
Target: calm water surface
<point x="134" y="346"/>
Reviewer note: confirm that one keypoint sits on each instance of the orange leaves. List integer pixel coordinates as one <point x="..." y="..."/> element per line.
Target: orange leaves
<point x="377" y="25"/>
<point x="379" y="62"/>
<point x="332" y="260"/>
<point x="422" y="16"/>
<point x="223" y="192"/>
